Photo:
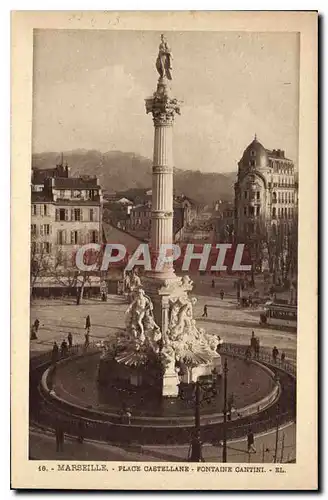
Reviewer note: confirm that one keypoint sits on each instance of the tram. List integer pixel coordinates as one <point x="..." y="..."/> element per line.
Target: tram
<point x="284" y="315"/>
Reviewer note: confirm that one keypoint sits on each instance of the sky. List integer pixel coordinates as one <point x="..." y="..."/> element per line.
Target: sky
<point x="90" y="86"/>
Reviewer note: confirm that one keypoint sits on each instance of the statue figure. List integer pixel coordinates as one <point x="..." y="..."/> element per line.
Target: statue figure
<point x="187" y="282"/>
<point x="140" y="325"/>
<point x="152" y="330"/>
<point x="164" y="59"/>
<point x="169" y="358"/>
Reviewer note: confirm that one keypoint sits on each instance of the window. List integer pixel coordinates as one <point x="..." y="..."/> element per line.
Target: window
<point x="45" y="229"/>
<point x="274" y="212"/>
<point x="274" y="197"/>
<point x="253" y="152"/>
<point x="245" y="210"/>
<point x="61" y="237"/>
<point x="45" y="210"/>
<point x="252" y="163"/>
<point x="74" y="237"/>
<point x="34" y="210"/>
<point x="257" y="195"/>
<point x="33" y="229"/>
<point x="279" y="197"/>
<point x="91" y="214"/>
<point x="257" y="210"/>
<point x="93" y="236"/>
<point x="77" y="214"/>
<point x="62" y="193"/>
<point x="62" y="214"/>
<point x="245" y="195"/>
<point x="251" y="210"/>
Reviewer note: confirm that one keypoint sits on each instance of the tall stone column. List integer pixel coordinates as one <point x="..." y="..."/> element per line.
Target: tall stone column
<point x="163" y="108"/>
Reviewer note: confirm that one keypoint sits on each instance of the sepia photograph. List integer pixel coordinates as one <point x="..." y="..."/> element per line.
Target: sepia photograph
<point x="164" y="251"/>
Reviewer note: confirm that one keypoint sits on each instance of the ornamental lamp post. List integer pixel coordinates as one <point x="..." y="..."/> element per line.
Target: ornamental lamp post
<point x="225" y="386"/>
<point x="210" y="392"/>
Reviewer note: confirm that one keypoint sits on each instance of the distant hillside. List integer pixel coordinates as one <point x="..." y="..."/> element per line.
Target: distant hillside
<point x="120" y="171"/>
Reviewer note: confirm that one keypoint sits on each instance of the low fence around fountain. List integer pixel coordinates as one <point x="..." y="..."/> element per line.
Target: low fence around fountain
<point x="49" y="411"/>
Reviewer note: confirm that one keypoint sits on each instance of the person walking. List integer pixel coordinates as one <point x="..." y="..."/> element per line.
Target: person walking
<point x="213" y="284"/>
<point x="205" y="312"/>
<point x="55" y="353"/>
<point x="64" y="348"/>
<point x="222" y="294"/>
<point x="250" y="442"/>
<point x="36" y="325"/>
<point x="283" y="356"/>
<point x="275" y="354"/>
<point x="70" y="340"/>
<point x="87" y="323"/>
<point x="87" y="340"/>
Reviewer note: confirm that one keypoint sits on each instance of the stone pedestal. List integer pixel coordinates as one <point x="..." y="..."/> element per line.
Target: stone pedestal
<point x="170" y="384"/>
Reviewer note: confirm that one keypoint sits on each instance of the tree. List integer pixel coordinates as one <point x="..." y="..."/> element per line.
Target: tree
<point x="40" y="262"/>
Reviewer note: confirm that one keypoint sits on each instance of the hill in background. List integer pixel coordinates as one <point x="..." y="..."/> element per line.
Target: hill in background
<point x="118" y="171"/>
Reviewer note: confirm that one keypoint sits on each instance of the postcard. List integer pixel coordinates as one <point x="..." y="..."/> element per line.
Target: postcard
<point x="164" y="250"/>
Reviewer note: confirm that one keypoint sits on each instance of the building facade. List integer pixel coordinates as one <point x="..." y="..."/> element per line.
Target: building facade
<point x="65" y="214"/>
<point x="265" y="198"/>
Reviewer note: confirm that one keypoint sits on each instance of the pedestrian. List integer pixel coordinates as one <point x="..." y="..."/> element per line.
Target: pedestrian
<point x="87" y="323"/>
<point x="64" y="348"/>
<point x="222" y="294"/>
<point x="253" y="342"/>
<point x="128" y="416"/>
<point x="257" y="348"/>
<point x="70" y="340"/>
<point x="275" y="354"/>
<point x="55" y="353"/>
<point x="283" y="355"/>
<point x="87" y="340"/>
<point x="213" y="284"/>
<point x="33" y="333"/>
<point x="36" y="326"/>
<point x="205" y="312"/>
<point x="250" y="442"/>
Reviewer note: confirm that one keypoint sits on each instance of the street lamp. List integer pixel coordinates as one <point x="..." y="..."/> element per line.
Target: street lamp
<point x="225" y="387"/>
<point x="198" y="392"/>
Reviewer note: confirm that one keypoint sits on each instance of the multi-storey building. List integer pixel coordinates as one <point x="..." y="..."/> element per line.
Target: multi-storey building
<point x="265" y="191"/>
<point x="66" y="214"/>
<point x="265" y="198"/>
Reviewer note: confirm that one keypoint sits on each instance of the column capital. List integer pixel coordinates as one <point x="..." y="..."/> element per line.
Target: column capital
<point x="162" y="106"/>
